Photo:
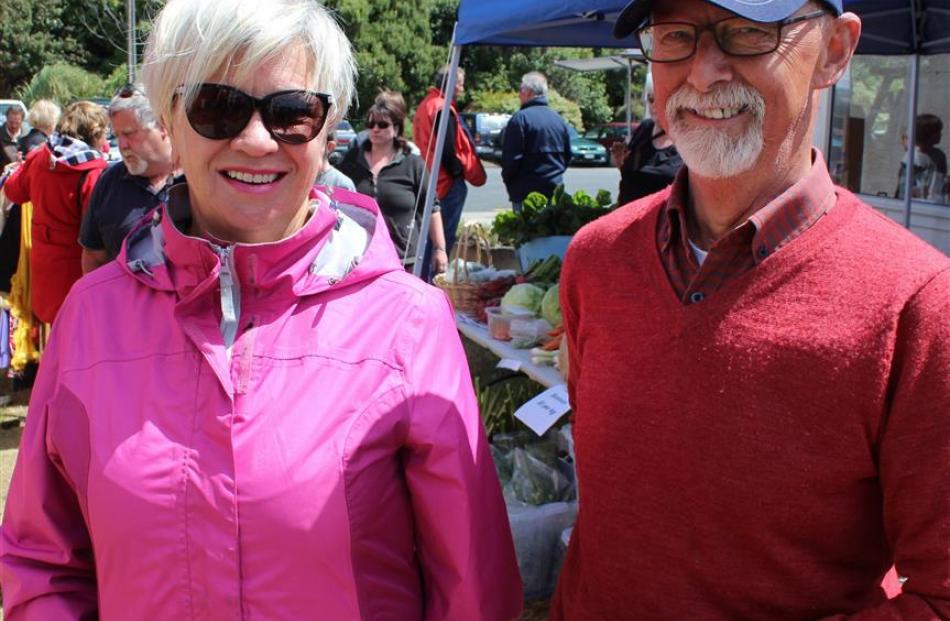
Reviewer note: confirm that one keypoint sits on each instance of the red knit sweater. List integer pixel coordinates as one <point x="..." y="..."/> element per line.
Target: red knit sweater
<point x="769" y="452"/>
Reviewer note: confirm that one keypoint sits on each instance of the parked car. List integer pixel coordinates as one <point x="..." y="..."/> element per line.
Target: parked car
<point x="6" y="104"/>
<point x="484" y="127"/>
<point x="344" y="134"/>
<point x="584" y="151"/>
<point x="610" y="133"/>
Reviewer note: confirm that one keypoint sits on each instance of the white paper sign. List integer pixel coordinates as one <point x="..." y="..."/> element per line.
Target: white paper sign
<point x="509" y="363"/>
<point x="543" y="411"/>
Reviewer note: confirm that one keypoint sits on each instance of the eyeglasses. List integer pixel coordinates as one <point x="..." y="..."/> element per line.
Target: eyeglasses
<point x="221" y="112"/>
<point x="379" y="124"/>
<point x="128" y="90"/>
<point x="670" y="42"/>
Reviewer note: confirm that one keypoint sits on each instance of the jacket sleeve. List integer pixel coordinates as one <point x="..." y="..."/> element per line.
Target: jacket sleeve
<point x="512" y="150"/>
<point x="468" y="562"/>
<point x="914" y="449"/>
<point x="450" y="161"/>
<point x="17" y="187"/>
<point x="46" y="563"/>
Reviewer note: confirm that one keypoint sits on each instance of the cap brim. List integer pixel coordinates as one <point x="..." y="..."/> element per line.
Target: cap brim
<point x="634" y="14"/>
<point x="631" y="17"/>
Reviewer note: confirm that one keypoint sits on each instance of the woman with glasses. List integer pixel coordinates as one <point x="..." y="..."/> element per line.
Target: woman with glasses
<point x="384" y="167"/>
<point x="255" y="413"/>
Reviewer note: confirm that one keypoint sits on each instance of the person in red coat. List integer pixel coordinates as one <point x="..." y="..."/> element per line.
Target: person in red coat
<point x="759" y="362"/>
<point x="58" y="179"/>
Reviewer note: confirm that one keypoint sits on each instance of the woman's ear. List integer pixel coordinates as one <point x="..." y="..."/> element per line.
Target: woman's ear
<point x="841" y="39"/>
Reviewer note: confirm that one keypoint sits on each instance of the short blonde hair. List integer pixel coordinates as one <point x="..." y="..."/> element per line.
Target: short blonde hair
<point x="44" y="114"/>
<point x="85" y="120"/>
<point x="193" y="41"/>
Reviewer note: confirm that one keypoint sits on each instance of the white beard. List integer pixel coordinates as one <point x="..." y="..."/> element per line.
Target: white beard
<point x="711" y="152"/>
<point x="136" y="165"/>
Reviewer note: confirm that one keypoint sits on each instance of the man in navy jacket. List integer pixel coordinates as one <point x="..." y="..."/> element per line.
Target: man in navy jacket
<point x="537" y="144"/>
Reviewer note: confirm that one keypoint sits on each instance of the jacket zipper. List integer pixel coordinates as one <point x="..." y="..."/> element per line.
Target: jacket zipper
<point x="230" y="296"/>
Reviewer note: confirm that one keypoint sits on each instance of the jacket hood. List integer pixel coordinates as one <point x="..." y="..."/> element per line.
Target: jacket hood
<point x="68" y="154"/>
<point x="343" y="243"/>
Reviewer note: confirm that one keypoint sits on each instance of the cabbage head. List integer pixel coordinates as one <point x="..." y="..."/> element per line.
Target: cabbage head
<point x="524" y="296"/>
<point x="551" y="307"/>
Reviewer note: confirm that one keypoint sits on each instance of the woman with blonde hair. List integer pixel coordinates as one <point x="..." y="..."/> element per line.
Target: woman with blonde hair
<point x="43" y="117"/>
<point x="58" y="179"/>
<point x="255" y="412"/>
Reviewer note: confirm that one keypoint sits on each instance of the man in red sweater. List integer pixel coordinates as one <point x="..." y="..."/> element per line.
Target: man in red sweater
<point x="760" y="363"/>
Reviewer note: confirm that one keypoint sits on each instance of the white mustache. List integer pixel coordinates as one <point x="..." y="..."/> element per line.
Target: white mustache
<point x="731" y="95"/>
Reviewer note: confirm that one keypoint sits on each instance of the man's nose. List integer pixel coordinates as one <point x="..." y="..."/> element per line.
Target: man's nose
<point x="709" y="65"/>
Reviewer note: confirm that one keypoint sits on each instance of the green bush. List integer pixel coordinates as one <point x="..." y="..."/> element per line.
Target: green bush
<point x="62" y="83"/>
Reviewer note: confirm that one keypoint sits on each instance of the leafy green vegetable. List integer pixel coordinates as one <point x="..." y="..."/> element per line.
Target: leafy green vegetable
<point x="564" y="214"/>
<point x="526" y="296"/>
<point x="551" y="306"/>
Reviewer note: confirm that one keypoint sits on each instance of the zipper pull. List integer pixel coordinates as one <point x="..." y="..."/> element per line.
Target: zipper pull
<point x="230" y="308"/>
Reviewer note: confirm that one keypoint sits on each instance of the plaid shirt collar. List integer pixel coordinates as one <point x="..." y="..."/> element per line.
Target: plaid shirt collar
<point x="764" y="233"/>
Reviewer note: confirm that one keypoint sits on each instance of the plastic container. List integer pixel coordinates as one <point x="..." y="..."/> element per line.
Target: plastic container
<point x="499" y="322"/>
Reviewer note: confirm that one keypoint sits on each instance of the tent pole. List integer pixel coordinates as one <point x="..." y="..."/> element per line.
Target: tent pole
<point x="627" y="96"/>
<point x="911" y="140"/>
<point x="437" y="156"/>
<point x="130" y="17"/>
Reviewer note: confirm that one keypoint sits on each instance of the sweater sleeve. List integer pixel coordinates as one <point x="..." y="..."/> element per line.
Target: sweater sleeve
<point x="914" y="453"/>
<point x="462" y="533"/>
<point x="46" y="561"/>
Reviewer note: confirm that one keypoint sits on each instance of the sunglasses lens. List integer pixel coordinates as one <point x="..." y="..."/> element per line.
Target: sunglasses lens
<point x="379" y="124"/>
<point x="295" y="117"/>
<point x="220" y="112"/>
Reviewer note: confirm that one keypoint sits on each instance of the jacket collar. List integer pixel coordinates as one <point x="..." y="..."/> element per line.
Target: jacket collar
<point x="537" y="101"/>
<point x="343" y="242"/>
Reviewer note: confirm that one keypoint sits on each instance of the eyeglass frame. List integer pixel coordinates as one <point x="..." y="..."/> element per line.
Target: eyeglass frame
<point x="699" y="30"/>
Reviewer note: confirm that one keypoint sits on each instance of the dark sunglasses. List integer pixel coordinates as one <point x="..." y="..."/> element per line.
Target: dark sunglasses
<point x="128" y="90"/>
<point x="379" y="124"/>
<point x="221" y="112"/>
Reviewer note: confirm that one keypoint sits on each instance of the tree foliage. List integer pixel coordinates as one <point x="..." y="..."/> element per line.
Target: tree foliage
<point x="63" y="83"/>
<point x="398" y="45"/>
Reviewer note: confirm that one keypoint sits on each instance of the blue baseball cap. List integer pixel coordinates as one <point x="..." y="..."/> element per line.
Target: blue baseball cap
<point x="637" y="11"/>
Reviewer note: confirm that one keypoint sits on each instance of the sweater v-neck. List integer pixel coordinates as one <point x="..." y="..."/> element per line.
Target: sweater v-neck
<point x="725" y="297"/>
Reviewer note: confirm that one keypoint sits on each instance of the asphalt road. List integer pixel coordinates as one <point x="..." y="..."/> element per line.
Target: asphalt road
<point x="482" y="203"/>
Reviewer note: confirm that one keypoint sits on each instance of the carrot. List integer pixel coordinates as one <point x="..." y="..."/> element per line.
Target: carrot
<point x="553" y="344"/>
<point x="557" y="331"/>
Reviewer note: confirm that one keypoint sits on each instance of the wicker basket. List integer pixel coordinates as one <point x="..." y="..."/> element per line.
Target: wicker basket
<point x="465" y="295"/>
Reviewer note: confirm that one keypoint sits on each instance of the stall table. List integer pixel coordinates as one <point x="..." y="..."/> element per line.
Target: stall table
<point x="478" y="333"/>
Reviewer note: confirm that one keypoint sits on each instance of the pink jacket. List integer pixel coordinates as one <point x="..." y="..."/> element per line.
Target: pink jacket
<point x="329" y="463"/>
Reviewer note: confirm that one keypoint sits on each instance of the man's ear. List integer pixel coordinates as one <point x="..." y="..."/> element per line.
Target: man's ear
<point x="841" y="39"/>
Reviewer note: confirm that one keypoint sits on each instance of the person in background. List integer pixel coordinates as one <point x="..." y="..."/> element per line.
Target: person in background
<point x="930" y="162"/>
<point x="131" y="187"/>
<point x="383" y="167"/>
<point x="649" y="161"/>
<point x="537" y="144"/>
<point x="255" y="412"/>
<point x="330" y="176"/>
<point x="10" y="134"/>
<point x="777" y="439"/>
<point x="43" y="117"/>
<point x="58" y="179"/>
<point x="459" y="164"/>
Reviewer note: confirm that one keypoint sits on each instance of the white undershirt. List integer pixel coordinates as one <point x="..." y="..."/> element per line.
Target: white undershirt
<point x="698" y="252"/>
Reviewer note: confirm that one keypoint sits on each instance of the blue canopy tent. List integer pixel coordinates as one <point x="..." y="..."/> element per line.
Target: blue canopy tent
<point x="893" y="27"/>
